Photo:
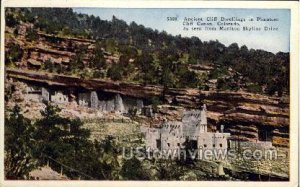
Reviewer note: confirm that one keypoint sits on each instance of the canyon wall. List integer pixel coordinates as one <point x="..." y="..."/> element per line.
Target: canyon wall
<point x="247" y="116"/>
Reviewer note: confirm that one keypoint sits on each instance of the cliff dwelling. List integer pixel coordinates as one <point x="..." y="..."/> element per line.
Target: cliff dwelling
<point x="99" y="100"/>
<point x="193" y="127"/>
<point x="245" y="123"/>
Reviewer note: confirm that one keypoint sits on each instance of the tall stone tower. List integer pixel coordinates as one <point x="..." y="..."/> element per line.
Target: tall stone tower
<point x="94" y="99"/>
<point x="203" y="120"/>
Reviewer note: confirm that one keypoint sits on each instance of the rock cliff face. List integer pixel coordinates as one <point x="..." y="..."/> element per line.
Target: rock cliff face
<point x="246" y="116"/>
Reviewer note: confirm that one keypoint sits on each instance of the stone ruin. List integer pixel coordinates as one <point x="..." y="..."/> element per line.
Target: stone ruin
<point x="192" y="127"/>
<point x="94" y="99"/>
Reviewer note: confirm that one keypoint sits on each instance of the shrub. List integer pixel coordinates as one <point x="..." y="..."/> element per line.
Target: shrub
<point x="31" y="35"/>
<point x="254" y="88"/>
<point x="14" y="53"/>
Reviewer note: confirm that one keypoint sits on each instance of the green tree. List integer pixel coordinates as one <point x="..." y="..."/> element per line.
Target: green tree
<point x="128" y="50"/>
<point x="51" y="129"/>
<point x="10" y="20"/>
<point x="155" y="102"/>
<point x="186" y="77"/>
<point x="227" y="84"/>
<point x="19" y="143"/>
<point x="14" y="53"/>
<point x="115" y="72"/>
<point x="28" y="17"/>
<point x="168" y="169"/>
<point x="99" y="74"/>
<point x="48" y="65"/>
<point x="132" y="170"/>
<point x="148" y="68"/>
<point x="76" y="62"/>
<point x="97" y="59"/>
<point x="108" y="158"/>
<point x="168" y="78"/>
<point x="31" y="35"/>
<point x="64" y="140"/>
<point x="254" y="88"/>
<point x="110" y="45"/>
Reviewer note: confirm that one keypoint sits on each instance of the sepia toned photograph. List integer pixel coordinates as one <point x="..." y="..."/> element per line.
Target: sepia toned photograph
<point x="147" y="94"/>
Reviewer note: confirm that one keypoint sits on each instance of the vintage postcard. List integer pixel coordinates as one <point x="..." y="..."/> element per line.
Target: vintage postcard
<point x="133" y="93"/>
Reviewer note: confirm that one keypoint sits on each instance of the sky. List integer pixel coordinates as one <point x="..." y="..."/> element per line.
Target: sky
<point x="273" y="41"/>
